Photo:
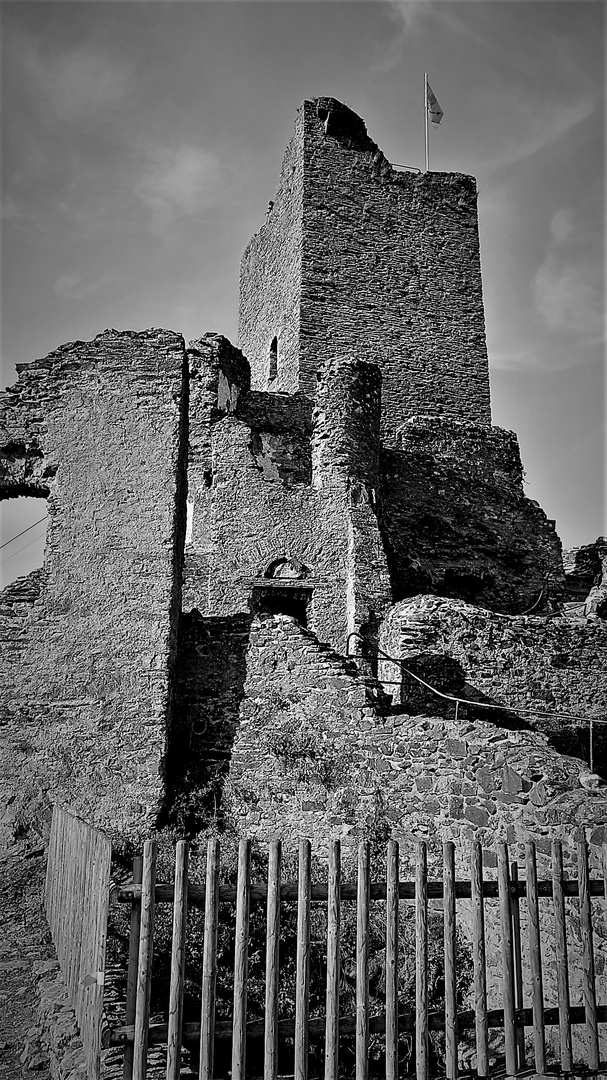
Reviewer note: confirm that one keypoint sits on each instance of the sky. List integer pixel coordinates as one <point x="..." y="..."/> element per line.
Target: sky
<point x="142" y="141"/>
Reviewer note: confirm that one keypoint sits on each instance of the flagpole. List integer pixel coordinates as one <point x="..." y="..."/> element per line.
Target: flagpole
<point x="426" y="117"/>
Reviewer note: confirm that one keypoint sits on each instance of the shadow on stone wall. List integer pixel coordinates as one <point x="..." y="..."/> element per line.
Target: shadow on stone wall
<point x="211" y="672"/>
<point x="448" y="676"/>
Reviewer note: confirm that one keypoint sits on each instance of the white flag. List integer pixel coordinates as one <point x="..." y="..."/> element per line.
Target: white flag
<point x="434" y="110"/>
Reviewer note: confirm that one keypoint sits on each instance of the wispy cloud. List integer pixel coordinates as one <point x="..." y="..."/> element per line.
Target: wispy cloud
<point x="567" y="289"/>
<point x="406" y="16"/>
<point x="77" y="82"/>
<point x="179" y="183"/>
<point x="10" y="210"/>
<point x="539" y="125"/>
<point x="72" y="286"/>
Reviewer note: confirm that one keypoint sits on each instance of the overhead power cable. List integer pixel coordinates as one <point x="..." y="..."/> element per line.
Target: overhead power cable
<point x="22" y="533"/>
<point x="19" y="550"/>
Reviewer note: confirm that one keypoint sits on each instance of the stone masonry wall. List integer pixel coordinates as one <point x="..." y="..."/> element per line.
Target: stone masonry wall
<point x="319" y="755"/>
<point x="308" y="713"/>
<point x="90" y="682"/>
<point x="390" y="261"/>
<point x="551" y="664"/>
<point x="270" y="281"/>
<point x="455" y="520"/>
<point x="209" y="689"/>
<point x="218" y="376"/>
<point x="285" y="484"/>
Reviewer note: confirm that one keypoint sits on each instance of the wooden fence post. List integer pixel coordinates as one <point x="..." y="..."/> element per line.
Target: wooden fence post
<point x="392" y="928"/>
<point x="272" y="971"/>
<point x="241" y="961"/>
<point x="450" y="972"/>
<point x="146" y="952"/>
<point x="333" y="961"/>
<point x="588" y="981"/>
<point x="209" y="961"/>
<point x="131" y="979"/>
<point x="421" y="962"/>
<point x="180" y="914"/>
<point x="518" y="963"/>
<point x="362" y="961"/>
<point x="479" y="960"/>
<point x="562" y="967"/>
<point x="302" y="976"/>
<point x="535" y="960"/>
<point x="507" y="959"/>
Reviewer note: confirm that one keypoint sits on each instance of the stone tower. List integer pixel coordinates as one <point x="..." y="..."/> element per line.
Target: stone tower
<point x="354" y="250"/>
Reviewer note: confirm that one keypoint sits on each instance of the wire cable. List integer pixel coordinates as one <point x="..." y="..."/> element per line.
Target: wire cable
<point x="19" y="550"/>
<point x="469" y="701"/>
<point x="23" y="532"/>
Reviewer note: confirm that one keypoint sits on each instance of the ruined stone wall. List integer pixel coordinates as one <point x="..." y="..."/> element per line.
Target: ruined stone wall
<point x="218" y="375"/>
<point x="390" y="262"/>
<point x="270" y="281"/>
<point x="421" y="776"/>
<point x="546" y="663"/>
<point x="455" y="519"/>
<point x="209" y="685"/>
<point x="91" y="677"/>
<point x="583" y="568"/>
<point x="319" y="755"/>
<point x="284" y="484"/>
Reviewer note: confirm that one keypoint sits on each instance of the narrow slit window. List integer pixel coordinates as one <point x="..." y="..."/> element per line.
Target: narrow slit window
<point x="273" y="374"/>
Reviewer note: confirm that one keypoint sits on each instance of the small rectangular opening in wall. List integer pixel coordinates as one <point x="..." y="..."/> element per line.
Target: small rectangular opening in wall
<point x="282" y="600"/>
<point x="23" y="524"/>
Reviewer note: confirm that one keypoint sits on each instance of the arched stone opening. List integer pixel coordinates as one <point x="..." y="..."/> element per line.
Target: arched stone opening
<point x="284" y="589"/>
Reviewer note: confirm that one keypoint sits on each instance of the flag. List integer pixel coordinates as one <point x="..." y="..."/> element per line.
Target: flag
<point x="434" y="110"/>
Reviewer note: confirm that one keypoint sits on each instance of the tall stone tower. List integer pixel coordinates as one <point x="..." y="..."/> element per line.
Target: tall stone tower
<point x="358" y="258"/>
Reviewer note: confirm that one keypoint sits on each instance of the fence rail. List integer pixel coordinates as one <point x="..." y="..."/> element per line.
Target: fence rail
<point x="523" y="941"/>
<point x="76" y="901"/>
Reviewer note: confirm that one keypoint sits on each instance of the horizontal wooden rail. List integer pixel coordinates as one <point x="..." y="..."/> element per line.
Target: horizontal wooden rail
<point x="495" y="903"/>
<point x="406" y="891"/>
<point x="347" y="1024"/>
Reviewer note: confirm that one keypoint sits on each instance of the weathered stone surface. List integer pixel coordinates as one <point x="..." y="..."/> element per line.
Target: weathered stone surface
<point x="353" y="251"/>
<point x="455" y="519"/>
<point x="546" y="663"/>
<point x="281" y="483"/>
<point x="91" y="643"/>
<point x="284" y="752"/>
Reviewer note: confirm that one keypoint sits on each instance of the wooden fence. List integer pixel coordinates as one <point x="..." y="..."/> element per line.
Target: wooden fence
<point x="76" y="899"/>
<point x="521" y="967"/>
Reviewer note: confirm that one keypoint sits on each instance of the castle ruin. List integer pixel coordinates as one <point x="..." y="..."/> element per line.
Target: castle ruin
<point x="235" y="532"/>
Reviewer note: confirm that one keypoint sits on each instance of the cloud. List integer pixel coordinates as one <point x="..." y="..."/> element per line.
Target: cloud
<point x="75" y="83"/>
<point x="72" y="287"/>
<point x="567" y="287"/>
<point x="10" y="209"/>
<point x="539" y="126"/>
<point x="179" y="183"/>
<point x="566" y="299"/>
